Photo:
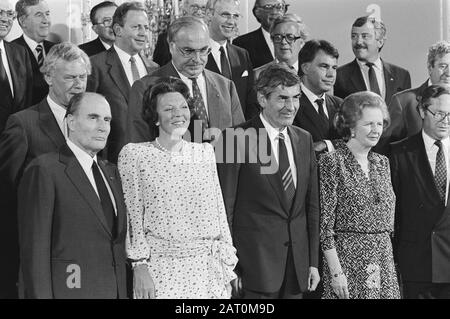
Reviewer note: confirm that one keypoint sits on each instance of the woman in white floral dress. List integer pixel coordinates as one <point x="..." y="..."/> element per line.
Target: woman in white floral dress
<point x="357" y="206"/>
<point x="178" y="236"/>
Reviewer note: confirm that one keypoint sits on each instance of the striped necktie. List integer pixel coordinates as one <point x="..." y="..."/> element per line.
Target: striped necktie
<point x="440" y="173"/>
<point x="285" y="170"/>
<point x="40" y="54"/>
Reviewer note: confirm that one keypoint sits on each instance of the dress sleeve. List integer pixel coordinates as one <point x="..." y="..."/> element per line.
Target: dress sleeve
<point x="328" y="199"/>
<point x="129" y="167"/>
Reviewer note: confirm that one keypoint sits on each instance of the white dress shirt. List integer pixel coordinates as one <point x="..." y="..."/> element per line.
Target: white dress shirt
<point x="59" y="112"/>
<point x="86" y="161"/>
<point x="33" y="44"/>
<point x="431" y="150"/>
<point x="4" y="58"/>
<point x="106" y="45"/>
<point x="273" y="137"/>
<point x="125" y="59"/>
<point x="378" y="68"/>
<point x="215" y="51"/>
<point x="269" y="42"/>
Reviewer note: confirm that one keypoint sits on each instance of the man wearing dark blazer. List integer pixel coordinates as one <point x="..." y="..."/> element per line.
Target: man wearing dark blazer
<point x="34" y="131"/>
<point x="317" y="69"/>
<point x="72" y="216"/>
<point x="34" y="19"/>
<point x="420" y="177"/>
<point x="101" y="18"/>
<point x="16" y="76"/>
<point x="227" y="59"/>
<point x="258" y="42"/>
<point x="268" y="174"/>
<point x="115" y="70"/>
<point x="368" y="71"/>
<point x="189" y="45"/>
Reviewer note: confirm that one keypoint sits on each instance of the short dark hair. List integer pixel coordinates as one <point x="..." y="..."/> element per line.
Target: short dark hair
<point x="431" y="92"/>
<point x="22" y="5"/>
<point x="122" y="10"/>
<point x="161" y="85"/>
<point x="101" y="5"/>
<point x="378" y="25"/>
<point x="351" y="111"/>
<point x="76" y="100"/>
<point x="310" y="50"/>
<point x="274" y="75"/>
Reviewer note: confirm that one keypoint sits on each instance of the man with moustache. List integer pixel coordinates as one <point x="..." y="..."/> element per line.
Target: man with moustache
<point x="101" y="19"/>
<point x="368" y="71"/>
<point x="193" y="8"/>
<point x="214" y="98"/>
<point x="34" y="131"/>
<point x="227" y="59"/>
<point x="72" y="216"/>
<point x="420" y="177"/>
<point x="16" y="75"/>
<point x="258" y="43"/>
<point x="34" y="19"/>
<point x="317" y="68"/>
<point x="114" y="71"/>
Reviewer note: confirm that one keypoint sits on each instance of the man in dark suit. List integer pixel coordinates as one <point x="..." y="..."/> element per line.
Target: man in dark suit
<point x="114" y="71"/>
<point x="101" y="18"/>
<point x="34" y="131"/>
<point x="420" y="177"/>
<point x="214" y="95"/>
<point x="368" y="71"/>
<point x="72" y="216"/>
<point x="317" y="69"/>
<point x="258" y="42"/>
<point x="193" y="8"/>
<point x="16" y="75"/>
<point x="34" y="19"/>
<point x="227" y="59"/>
<point x="271" y="193"/>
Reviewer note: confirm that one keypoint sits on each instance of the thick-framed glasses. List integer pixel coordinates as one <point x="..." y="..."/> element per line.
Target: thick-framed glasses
<point x="275" y="7"/>
<point x="229" y="16"/>
<point x="192" y="53"/>
<point x="196" y="8"/>
<point x="10" y="14"/>
<point x="107" y="22"/>
<point x="290" y="38"/>
<point x="439" y="116"/>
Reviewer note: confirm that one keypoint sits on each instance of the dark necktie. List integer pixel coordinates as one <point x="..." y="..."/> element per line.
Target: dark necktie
<point x="105" y="199"/>
<point x="321" y="110"/>
<point x="373" y="79"/>
<point x="134" y="69"/>
<point x="4" y="82"/>
<point x="440" y="173"/>
<point x="40" y="54"/>
<point x="199" y="104"/>
<point x="285" y="170"/>
<point x="225" y="64"/>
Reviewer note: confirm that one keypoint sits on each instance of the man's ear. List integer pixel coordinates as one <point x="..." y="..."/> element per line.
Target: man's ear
<point x="305" y="67"/>
<point x="262" y="100"/>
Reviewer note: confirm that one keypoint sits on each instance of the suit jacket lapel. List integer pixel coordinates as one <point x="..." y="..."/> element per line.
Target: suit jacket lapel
<point x="298" y="145"/>
<point x="213" y="95"/>
<point x="263" y="44"/>
<point x="235" y="64"/>
<point x="313" y="116"/>
<point x="388" y="80"/>
<point x="14" y="66"/>
<point x="48" y="124"/>
<point x="357" y="78"/>
<point x="149" y="65"/>
<point x="117" y="73"/>
<point x="212" y="65"/>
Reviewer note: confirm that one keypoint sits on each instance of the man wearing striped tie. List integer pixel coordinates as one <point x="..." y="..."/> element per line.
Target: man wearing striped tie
<point x="271" y="193"/>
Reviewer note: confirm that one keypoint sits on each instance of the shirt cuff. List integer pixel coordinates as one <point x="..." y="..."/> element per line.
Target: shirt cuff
<point x="330" y="146"/>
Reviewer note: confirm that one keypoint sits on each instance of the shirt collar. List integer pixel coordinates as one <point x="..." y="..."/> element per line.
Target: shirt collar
<point x="310" y="95"/>
<point x="123" y="56"/>
<point x="106" y="45"/>
<point x="185" y="78"/>
<point x="429" y="141"/>
<point x="215" y="46"/>
<point x="82" y="156"/>
<point x="2" y="46"/>
<point x="378" y="64"/>
<point x="31" y="43"/>
<point x="271" y="131"/>
<point x="59" y="109"/>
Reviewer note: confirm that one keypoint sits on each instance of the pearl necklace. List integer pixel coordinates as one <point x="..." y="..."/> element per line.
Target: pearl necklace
<point x="168" y="151"/>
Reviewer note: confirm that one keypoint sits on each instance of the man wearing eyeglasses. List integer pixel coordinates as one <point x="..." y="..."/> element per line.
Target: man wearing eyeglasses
<point x="227" y="59"/>
<point x="114" y="71"/>
<point x="420" y="176"/>
<point x="34" y="19"/>
<point x="215" y="101"/>
<point x="101" y="19"/>
<point x="193" y="8"/>
<point x="258" y="43"/>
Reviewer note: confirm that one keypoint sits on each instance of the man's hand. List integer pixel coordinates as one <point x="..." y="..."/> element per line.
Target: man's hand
<point x="320" y="146"/>
<point x="313" y="278"/>
<point x="143" y="285"/>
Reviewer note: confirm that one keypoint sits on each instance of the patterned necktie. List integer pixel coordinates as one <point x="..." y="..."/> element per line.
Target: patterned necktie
<point x="224" y="64"/>
<point x="199" y="104"/>
<point x="373" y="79"/>
<point x="40" y="54"/>
<point x="105" y="199"/>
<point x="4" y="82"/>
<point x="321" y="110"/>
<point x="134" y="69"/>
<point x="285" y="170"/>
<point x="440" y="173"/>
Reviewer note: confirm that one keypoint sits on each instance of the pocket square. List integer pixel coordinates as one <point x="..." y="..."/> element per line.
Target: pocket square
<point x="244" y="74"/>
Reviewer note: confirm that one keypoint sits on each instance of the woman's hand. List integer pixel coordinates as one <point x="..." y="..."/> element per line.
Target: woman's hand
<point x="339" y="285"/>
<point x="143" y="286"/>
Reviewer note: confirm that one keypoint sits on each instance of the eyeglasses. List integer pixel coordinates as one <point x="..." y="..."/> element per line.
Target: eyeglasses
<point x="439" y="116"/>
<point x="275" y="7"/>
<point x="290" y="38"/>
<point x="229" y="16"/>
<point x="107" y="22"/>
<point x="197" y="8"/>
<point x="192" y="53"/>
<point x="10" y="14"/>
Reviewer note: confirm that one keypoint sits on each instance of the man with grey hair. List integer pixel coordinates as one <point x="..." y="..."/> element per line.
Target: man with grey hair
<point x="34" y="19"/>
<point x="288" y="34"/>
<point x="368" y="71"/>
<point x="37" y="130"/>
<point x="215" y="101"/>
<point x="227" y="59"/>
<point x="258" y="43"/>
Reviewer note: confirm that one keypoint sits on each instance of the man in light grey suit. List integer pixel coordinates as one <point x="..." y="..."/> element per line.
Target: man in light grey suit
<point x="189" y="45"/>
